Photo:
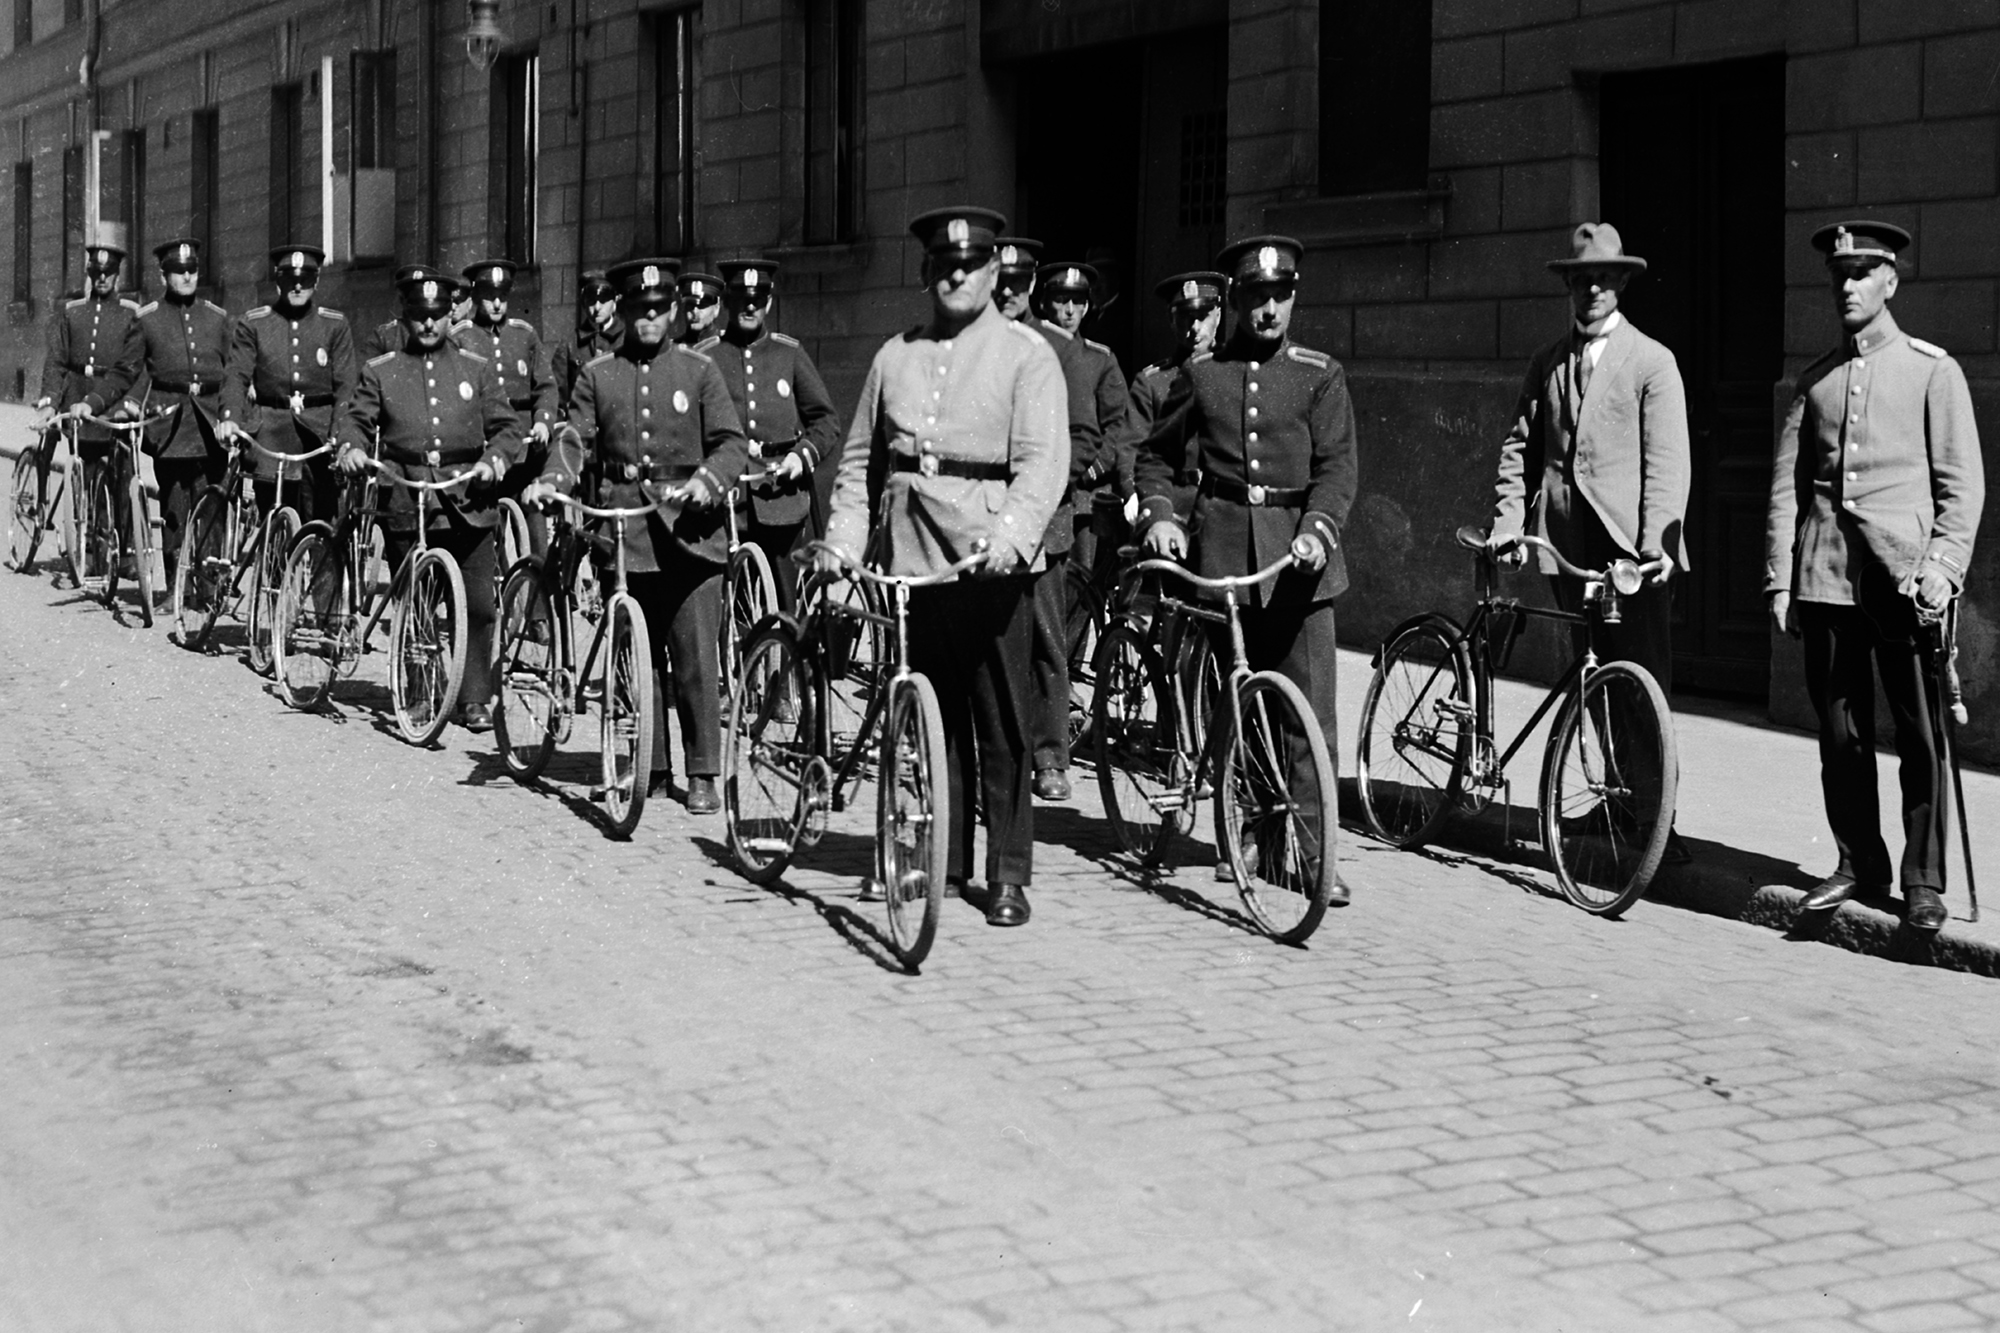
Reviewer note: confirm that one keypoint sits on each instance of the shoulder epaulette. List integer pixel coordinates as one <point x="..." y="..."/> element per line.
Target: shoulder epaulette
<point x="519" y="324"/>
<point x="129" y="304"/>
<point x="332" y="314"/>
<point x="1309" y="357"/>
<point x="1032" y="335"/>
<point x="601" y="356"/>
<point x="257" y="312"/>
<point x="1928" y="349"/>
<point x="1055" y="328"/>
<point x="378" y="360"/>
<point x="1097" y="346"/>
<point x="1199" y="357"/>
<point x="706" y="343"/>
<point x="149" y="307"/>
<point x="785" y="338"/>
<point x="470" y="355"/>
<point x="1157" y="368"/>
<point x="696" y="352"/>
<point x="71" y="305"/>
<point x="462" y="325"/>
<point x="213" y="306"/>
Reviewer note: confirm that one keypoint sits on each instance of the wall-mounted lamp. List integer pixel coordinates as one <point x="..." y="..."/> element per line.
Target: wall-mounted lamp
<point x="483" y="34"/>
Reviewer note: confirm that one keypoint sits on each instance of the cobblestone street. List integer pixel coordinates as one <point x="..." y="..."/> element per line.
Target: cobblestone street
<point x="305" y="1029"/>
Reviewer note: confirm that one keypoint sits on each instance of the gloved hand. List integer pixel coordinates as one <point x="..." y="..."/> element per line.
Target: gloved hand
<point x="699" y="493"/>
<point x="1309" y="549"/>
<point x="536" y="494"/>
<point x="789" y="468"/>
<point x="540" y="433"/>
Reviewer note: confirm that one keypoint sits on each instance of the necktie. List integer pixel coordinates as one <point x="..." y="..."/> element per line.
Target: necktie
<point x="1583" y="366"/>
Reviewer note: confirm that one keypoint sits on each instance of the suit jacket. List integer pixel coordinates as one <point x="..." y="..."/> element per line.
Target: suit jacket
<point x="434" y="415"/>
<point x="1878" y="459"/>
<point x="184" y="350"/>
<point x="993" y="395"/>
<point x="1606" y="473"/>
<point x="791" y="413"/>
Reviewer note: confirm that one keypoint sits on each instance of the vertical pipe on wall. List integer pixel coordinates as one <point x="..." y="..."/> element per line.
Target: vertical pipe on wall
<point x="326" y="202"/>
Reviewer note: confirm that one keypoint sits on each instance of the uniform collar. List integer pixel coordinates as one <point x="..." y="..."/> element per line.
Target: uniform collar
<point x="490" y="328"/>
<point x="1242" y="347"/>
<point x="168" y="298"/>
<point x="762" y="334"/>
<point x="1879" y="331"/>
<point x="634" y="350"/>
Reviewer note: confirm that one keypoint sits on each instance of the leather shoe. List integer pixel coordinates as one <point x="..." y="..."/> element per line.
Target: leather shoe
<point x="702" y="799"/>
<point x="1340" y="896"/>
<point x="1008" y="905"/>
<point x="978" y="896"/>
<point x="476" y="717"/>
<point x="1832" y="891"/>
<point x="1051" y="784"/>
<point x="1923" y="909"/>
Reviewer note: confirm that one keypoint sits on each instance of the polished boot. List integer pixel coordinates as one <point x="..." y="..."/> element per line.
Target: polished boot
<point x="1051" y="784"/>
<point x="1923" y="909"/>
<point x="702" y="799"/>
<point x="1008" y="905"/>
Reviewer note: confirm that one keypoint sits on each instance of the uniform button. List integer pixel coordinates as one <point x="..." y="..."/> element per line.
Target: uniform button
<point x="1854" y="476"/>
<point x="645" y="435"/>
<point x="1253" y="437"/>
<point x="1253" y="365"/>
<point x="1253" y="386"/>
<point x="1254" y="465"/>
<point x="432" y="383"/>
<point x="645" y="411"/>
<point x="1253" y="411"/>
<point x="1853" y="448"/>
<point x="1854" y="418"/>
<point x="753" y="404"/>
<point x="645" y="388"/>
<point x="1855" y="389"/>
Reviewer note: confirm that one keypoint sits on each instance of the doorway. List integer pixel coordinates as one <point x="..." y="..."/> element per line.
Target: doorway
<point x="1692" y="175"/>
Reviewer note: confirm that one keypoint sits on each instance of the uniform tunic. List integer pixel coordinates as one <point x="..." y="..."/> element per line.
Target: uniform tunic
<point x="94" y="352"/>
<point x="570" y="358"/>
<point x="1151" y="390"/>
<point x="184" y="348"/>
<point x="785" y="409"/>
<point x="435" y="415"/>
<point x="288" y="373"/>
<point x="515" y="351"/>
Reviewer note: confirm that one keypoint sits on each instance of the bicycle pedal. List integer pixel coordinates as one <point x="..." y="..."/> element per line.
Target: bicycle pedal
<point x="872" y="891"/>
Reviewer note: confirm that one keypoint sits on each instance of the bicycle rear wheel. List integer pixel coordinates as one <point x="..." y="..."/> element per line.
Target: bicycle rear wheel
<point x="308" y="621"/>
<point x="145" y="548"/>
<point x="1085" y="629"/>
<point x="1277" y="807"/>
<point x="913" y="818"/>
<point x="427" y="646"/>
<point x="529" y="675"/>
<point x="766" y="797"/>
<point x="267" y="572"/>
<point x="857" y="652"/>
<point x="201" y="573"/>
<point x="753" y="594"/>
<point x="101" y="538"/>
<point x="25" y="517"/>
<point x="1134" y="739"/>
<point x="1417" y="725"/>
<point x="1197" y="677"/>
<point x="626" y="715"/>
<point x="1609" y="782"/>
<point x="512" y="537"/>
<point x="75" y="517"/>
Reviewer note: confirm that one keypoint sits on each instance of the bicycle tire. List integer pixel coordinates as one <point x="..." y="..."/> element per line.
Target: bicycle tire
<point x="766" y="752"/>
<point x="625" y="736"/>
<point x="427" y="646"/>
<point x="855" y="654"/>
<point x="267" y="569"/>
<point x="527" y="717"/>
<point x="101" y="537"/>
<point x="25" y="515"/>
<point x="144" y="547"/>
<point x="75" y="517"/>
<point x="1197" y="680"/>
<point x="1605" y="833"/>
<point x="1135" y="740"/>
<point x="912" y="818"/>
<point x="202" y="568"/>
<point x="1276" y="792"/>
<point x="752" y="593"/>
<point x="511" y="538"/>
<point x="307" y="619"/>
<point x="1085" y="629"/>
<point x="1417" y="722"/>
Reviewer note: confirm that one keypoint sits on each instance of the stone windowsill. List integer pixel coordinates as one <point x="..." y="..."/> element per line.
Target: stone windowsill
<point x="833" y="258"/>
<point x="1363" y="219"/>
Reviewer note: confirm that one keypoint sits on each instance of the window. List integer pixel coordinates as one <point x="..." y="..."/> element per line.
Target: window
<point x="374" y="128"/>
<point x="833" y="119"/>
<point x="72" y="232"/>
<point x="516" y="123"/>
<point x="673" y="130"/>
<point x="122" y="200"/>
<point x="205" y="189"/>
<point x="24" y="231"/>
<point x="1204" y="169"/>
<point x="287" y="164"/>
<point x="1374" y="96"/>
<point x="24" y="22"/>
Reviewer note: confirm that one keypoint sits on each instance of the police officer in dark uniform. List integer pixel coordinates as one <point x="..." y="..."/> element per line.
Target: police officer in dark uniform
<point x="598" y="329"/>
<point x="431" y="411"/>
<point x="94" y="352"/>
<point x="291" y="368"/>
<point x="1194" y="304"/>
<point x="388" y="336"/>
<point x="700" y="296"/>
<point x="1270" y="428"/>
<point x="791" y="421"/>
<point x="1876" y="491"/>
<point x="185" y="341"/>
<point x="514" y="349"/>
<point x="653" y="420"/>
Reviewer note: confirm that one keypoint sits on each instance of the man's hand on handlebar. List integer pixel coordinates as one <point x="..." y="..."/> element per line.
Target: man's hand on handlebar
<point x="351" y="461"/>
<point x="537" y="494"/>
<point x="1309" y="550"/>
<point x="696" y="492"/>
<point x="79" y="410"/>
<point x="486" y="472"/>
<point x="1507" y="549"/>
<point x="44" y="403"/>
<point x="789" y="468"/>
<point x="1655" y="556"/>
<point x="1167" y="538"/>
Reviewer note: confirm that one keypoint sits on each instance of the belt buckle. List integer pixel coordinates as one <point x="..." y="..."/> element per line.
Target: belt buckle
<point x="756" y="448"/>
<point x="1256" y="495"/>
<point x="432" y="457"/>
<point x="631" y="472"/>
<point x="298" y="402"/>
<point x="927" y="464"/>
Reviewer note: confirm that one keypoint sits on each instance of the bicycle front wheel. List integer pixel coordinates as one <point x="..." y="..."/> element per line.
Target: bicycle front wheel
<point x="24" y="511"/>
<point x="306" y="623"/>
<point x="1416" y="735"/>
<point x="201" y="572"/>
<point x="766" y="755"/>
<point x="512" y="536"/>
<point x="145" y="548"/>
<point x="1085" y="630"/>
<point x="753" y="594"/>
<point x="913" y="818"/>
<point x="529" y="675"/>
<point x="101" y="538"/>
<point x="1135" y="743"/>
<point x="626" y="715"/>
<point x="427" y="647"/>
<point x="1609" y="782"/>
<point x="1197" y="676"/>
<point x="1276" y="804"/>
<point x="267" y="572"/>
<point x="75" y="517"/>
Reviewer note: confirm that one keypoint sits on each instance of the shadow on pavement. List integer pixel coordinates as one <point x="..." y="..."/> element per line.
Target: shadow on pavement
<point x="1093" y="839"/>
<point x="858" y="932"/>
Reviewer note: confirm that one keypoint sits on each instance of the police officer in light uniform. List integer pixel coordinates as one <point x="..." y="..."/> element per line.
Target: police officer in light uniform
<point x="1270" y="428"/>
<point x="185" y="342"/>
<point x="598" y="329"/>
<point x="1876" y="490"/>
<point x="94" y="354"/>
<point x="791" y="422"/>
<point x="654" y="420"/>
<point x="1194" y="306"/>
<point x="700" y="311"/>
<point x="439" y="411"/>
<point x="291" y="368"/>
<point x="964" y="416"/>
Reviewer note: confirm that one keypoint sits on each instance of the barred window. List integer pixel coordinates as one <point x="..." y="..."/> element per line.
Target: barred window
<point x="1204" y="169"/>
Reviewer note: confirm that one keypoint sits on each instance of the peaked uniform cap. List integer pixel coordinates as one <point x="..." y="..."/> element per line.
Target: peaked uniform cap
<point x="1203" y="287"/>
<point x="646" y="281"/>
<point x="595" y="284"/>
<point x="181" y="255"/>
<point x="102" y="258"/>
<point x="1597" y="245"/>
<point x="425" y="290"/>
<point x="1018" y="254"/>
<point x="1861" y="239"/>
<point x="964" y="230"/>
<point x="700" y="285"/>
<point x="1065" y="278"/>
<point x="297" y="259"/>
<point x="751" y="275"/>
<point x="491" y="275"/>
<point x="1261" y="259"/>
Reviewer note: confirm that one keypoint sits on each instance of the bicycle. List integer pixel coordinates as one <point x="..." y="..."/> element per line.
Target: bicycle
<point x="542" y="689"/>
<point x="782" y="772"/>
<point x="1263" y="760"/>
<point x="751" y="588"/>
<point x="143" y="522"/>
<point x="325" y="619"/>
<point x="30" y="511"/>
<point x="225" y="539"/>
<point x="1610" y="771"/>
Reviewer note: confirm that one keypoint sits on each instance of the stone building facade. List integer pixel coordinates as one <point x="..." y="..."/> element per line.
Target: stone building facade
<point x="1432" y="159"/>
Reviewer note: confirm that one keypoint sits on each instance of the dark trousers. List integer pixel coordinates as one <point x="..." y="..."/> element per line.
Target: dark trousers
<point x="314" y="493"/>
<point x="1298" y="643"/>
<point x="1048" y="667"/>
<point x="181" y="480"/>
<point x="1644" y="632"/>
<point x="776" y="541"/>
<point x="475" y="550"/>
<point x="1846" y="647"/>
<point x="974" y="641"/>
<point x="683" y="607"/>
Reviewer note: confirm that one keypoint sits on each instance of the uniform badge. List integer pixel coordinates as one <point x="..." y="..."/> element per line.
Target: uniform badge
<point x="465" y="391"/>
<point x="1267" y="258"/>
<point x="298" y="259"/>
<point x="957" y="231"/>
<point x="680" y="400"/>
<point x="322" y="356"/>
<point x="1009" y="255"/>
<point x="523" y="366"/>
<point x="650" y="276"/>
<point x="784" y="389"/>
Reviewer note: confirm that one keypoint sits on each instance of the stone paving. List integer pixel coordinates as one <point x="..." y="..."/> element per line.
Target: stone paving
<point x="305" y="1029"/>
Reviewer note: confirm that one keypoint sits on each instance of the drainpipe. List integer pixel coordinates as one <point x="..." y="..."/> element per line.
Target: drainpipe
<point x="86" y="74"/>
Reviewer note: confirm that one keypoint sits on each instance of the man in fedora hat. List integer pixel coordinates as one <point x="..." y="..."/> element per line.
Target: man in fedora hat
<point x="1876" y="488"/>
<point x="1597" y="461"/>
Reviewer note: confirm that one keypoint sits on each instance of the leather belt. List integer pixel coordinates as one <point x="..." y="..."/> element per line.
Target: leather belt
<point x="773" y="448"/>
<point x="1273" y="497"/>
<point x="930" y="465"/>
<point x="521" y="404"/>
<point x="88" y="370"/>
<point x="193" y="389"/>
<point x="650" y="471"/>
<point x="433" y="457"/>
<point x="295" y="401"/>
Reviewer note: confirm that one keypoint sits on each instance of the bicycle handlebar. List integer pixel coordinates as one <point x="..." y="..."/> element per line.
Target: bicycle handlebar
<point x="411" y="484"/>
<point x="289" y="458"/>
<point x="591" y="511"/>
<point x="135" y="424"/>
<point x="1232" y="583"/>
<point x="860" y="569"/>
<point x="1472" y="539"/>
